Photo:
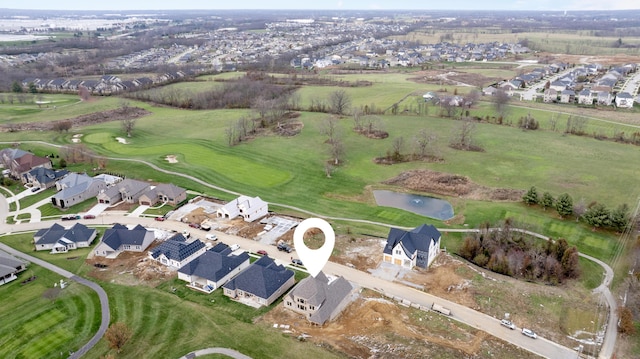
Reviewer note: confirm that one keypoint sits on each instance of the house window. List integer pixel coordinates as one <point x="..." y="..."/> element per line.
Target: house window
<point x="398" y="251"/>
<point x="302" y="307"/>
<point x="311" y="307"/>
<point x="300" y="300"/>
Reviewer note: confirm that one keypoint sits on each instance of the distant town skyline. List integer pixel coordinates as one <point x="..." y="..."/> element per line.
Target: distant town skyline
<point x="115" y="5"/>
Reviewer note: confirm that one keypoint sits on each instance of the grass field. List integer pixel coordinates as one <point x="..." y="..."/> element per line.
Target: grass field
<point x="39" y="322"/>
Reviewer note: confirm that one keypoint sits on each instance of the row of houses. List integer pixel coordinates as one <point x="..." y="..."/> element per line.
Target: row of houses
<point x="79" y="187"/>
<point x="106" y="85"/>
<point x="261" y="283"/>
<point x="587" y="85"/>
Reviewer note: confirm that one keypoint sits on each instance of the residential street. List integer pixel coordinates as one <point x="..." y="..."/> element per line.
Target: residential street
<point x="541" y="346"/>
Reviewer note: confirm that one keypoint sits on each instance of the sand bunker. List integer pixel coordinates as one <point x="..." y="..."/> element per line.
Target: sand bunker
<point x="171" y="159"/>
<point x="76" y="138"/>
<point x="122" y="140"/>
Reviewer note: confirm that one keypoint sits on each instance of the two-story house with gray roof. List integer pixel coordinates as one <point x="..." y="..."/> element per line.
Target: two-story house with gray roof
<point x="176" y="252"/>
<point x="417" y="247"/>
<point x="261" y="284"/>
<point x="213" y="268"/>
<point x="58" y="239"/>
<point x="120" y="238"/>
<point x="319" y="299"/>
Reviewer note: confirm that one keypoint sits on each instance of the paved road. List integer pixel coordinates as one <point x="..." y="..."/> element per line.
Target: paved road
<point x="610" y="336"/>
<point x="228" y="352"/>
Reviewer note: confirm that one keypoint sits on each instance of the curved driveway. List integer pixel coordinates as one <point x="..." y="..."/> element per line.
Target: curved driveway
<point x="608" y="345"/>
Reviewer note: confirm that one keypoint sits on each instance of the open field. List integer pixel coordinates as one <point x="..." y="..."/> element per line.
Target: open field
<point x="40" y="321"/>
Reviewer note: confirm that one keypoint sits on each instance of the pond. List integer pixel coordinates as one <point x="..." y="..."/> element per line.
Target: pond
<point x="422" y="205"/>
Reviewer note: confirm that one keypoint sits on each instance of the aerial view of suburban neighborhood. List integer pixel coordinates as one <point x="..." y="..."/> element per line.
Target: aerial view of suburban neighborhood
<point x="289" y="180"/>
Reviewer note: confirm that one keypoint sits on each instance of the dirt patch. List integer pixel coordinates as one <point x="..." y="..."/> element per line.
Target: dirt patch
<point x="130" y="268"/>
<point x="451" y="78"/>
<point x="447" y="184"/>
<point x="83" y="120"/>
<point x="358" y="252"/>
<point x="374" y="327"/>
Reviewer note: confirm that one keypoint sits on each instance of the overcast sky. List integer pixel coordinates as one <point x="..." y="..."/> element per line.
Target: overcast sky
<point x="324" y="4"/>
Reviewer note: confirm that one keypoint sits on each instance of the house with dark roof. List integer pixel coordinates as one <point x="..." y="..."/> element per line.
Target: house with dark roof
<point x="417" y="247"/>
<point x="58" y="239"/>
<point x="75" y="188"/>
<point x="164" y="192"/>
<point x="319" y="299"/>
<point x="19" y="162"/>
<point x="175" y="252"/>
<point x="10" y="266"/>
<point x="120" y="238"/>
<point x="43" y="177"/>
<point x="261" y="284"/>
<point x="213" y="268"/>
<point x="127" y="190"/>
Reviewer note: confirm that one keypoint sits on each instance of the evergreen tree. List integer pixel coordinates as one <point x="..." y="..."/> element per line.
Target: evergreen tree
<point x="16" y="87"/>
<point x="597" y="216"/>
<point x="547" y="200"/>
<point x="531" y="197"/>
<point x="564" y="205"/>
<point x="619" y="217"/>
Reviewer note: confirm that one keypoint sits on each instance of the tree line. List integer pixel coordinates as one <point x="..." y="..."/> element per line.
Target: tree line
<point x="595" y="214"/>
<point x="514" y="253"/>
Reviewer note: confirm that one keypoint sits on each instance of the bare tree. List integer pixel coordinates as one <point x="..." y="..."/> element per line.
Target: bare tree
<point x="330" y="128"/>
<point x="471" y="98"/>
<point x="128" y="125"/>
<point x="501" y="98"/>
<point x="463" y="139"/>
<point x="340" y="102"/>
<point x="357" y="119"/>
<point x="118" y="334"/>
<point x="230" y="134"/>
<point x="337" y="151"/>
<point x="396" y="149"/>
<point x="424" y="144"/>
<point x="580" y="208"/>
<point x="84" y="93"/>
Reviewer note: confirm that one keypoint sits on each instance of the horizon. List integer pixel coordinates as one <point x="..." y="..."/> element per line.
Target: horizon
<point x="335" y="5"/>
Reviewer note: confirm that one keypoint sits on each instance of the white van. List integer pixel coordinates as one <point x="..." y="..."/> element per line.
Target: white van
<point x="234" y="247"/>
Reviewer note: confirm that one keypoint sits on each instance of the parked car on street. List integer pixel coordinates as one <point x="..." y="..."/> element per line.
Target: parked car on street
<point x="283" y="247"/>
<point x="234" y="247"/>
<point x="211" y="237"/>
<point x="194" y="225"/>
<point x="70" y="217"/>
<point x="297" y="262"/>
<point x="88" y="216"/>
<point x="159" y="219"/>
<point x="35" y="189"/>
<point x="508" y="324"/>
<point x="262" y="252"/>
<point x="530" y="333"/>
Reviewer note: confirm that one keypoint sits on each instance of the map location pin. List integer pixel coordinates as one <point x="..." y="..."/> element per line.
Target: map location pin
<point x="314" y="259"/>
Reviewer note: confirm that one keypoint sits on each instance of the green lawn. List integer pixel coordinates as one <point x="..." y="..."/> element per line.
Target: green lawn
<point x="38" y="323"/>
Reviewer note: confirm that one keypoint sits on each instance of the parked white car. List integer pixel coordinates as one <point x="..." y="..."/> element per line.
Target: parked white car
<point x="211" y="237"/>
